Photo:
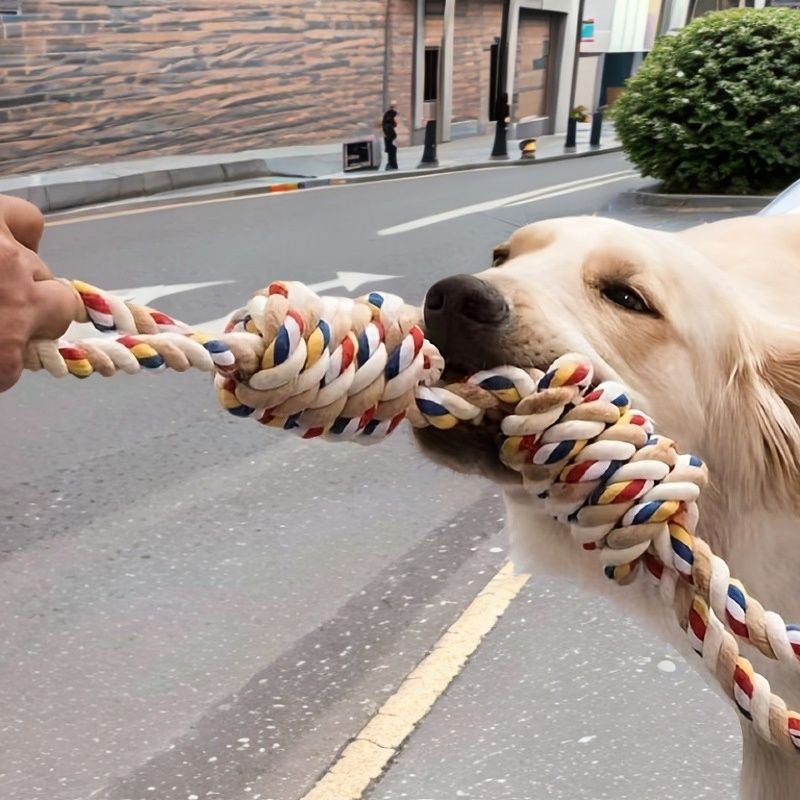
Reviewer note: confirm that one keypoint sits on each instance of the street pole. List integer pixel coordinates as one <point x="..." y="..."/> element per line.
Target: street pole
<point x="500" y="148"/>
<point x="572" y="124"/>
<point x="577" y="57"/>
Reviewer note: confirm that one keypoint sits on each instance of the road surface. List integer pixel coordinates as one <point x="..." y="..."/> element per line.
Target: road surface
<point x="193" y="606"/>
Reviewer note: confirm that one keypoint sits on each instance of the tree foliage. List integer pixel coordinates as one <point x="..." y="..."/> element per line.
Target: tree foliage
<point x="716" y="108"/>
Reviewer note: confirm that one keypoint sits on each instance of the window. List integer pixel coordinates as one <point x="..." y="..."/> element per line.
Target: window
<point x="9" y="7"/>
<point x="431" y="74"/>
<point x="702" y="7"/>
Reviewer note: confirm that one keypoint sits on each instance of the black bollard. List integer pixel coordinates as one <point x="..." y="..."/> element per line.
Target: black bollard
<point x="429" y="155"/>
<point x="597" y="127"/>
<point x="572" y="134"/>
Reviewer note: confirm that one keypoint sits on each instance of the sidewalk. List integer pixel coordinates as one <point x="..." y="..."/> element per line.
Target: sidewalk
<point x="270" y="169"/>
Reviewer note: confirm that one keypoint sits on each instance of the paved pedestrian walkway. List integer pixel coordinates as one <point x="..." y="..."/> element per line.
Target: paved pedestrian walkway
<point x="476" y="150"/>
<point x="307" y="165"/>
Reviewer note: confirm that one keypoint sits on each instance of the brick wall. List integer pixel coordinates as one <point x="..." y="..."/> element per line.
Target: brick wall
<point x="90" y="81"/>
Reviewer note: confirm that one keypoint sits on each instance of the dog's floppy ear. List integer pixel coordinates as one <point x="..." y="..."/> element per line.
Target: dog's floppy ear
<point x="763" y="408"/>
<point x="527" y="239"/>
<point x="782" y="369"/>
<point x="500" y="253"/>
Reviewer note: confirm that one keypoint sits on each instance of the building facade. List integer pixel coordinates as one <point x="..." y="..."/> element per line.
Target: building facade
<point x="456" y="52"/>
<point x="88" y="81"/>
<point x="617" y="35"/>
<point x="99" y="81"/>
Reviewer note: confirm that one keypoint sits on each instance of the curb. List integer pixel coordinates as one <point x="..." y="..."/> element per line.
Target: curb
<point x="652" y="196"/>
<point x="75" y="194"/>
<point x="374" y="175"/>
<point x="59" y="197"/>
<point x="368" y="177"/>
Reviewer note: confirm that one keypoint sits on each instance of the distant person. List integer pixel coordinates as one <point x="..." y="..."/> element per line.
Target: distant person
<point x="32" y="304"/>
<point x="389" y="125"/>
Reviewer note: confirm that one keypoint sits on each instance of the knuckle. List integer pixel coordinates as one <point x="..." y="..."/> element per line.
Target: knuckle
<point x="35" y="217"/>
<point x="16" y="273"/>
<point x="10" y="368"/>
<point x="9" y="252"/>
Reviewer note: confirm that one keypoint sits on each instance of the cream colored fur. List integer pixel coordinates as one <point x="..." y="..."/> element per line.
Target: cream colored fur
<point x="718" y="370"/>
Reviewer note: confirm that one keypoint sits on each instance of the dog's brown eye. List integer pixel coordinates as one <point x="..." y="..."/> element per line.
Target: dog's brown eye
<point x="624" y="296"/>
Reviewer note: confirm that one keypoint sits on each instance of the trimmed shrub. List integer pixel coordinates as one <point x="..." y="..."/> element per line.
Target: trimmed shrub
<point x="716" y="108"/>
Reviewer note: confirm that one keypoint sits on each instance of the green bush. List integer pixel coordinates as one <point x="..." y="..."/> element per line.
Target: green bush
<point x="716" y="108"/>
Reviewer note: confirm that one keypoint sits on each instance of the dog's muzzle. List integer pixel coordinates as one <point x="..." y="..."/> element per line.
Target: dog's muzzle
<point x="466" y="319"/>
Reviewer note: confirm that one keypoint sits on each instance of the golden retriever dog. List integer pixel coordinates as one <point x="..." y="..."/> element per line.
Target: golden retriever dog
<point x="703" y="327"/>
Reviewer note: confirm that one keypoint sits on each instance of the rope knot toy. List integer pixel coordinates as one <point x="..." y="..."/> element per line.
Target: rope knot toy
<point x="354" y="369"/>
<point x="328" y="366"/>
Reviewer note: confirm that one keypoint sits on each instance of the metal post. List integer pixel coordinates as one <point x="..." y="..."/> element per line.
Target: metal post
<point x="572" y="135"/>
<point x="597" y="127"/>
<point x="577" y="56"/>
<point x="500" y="148"/>
<point x="429" y="155"/>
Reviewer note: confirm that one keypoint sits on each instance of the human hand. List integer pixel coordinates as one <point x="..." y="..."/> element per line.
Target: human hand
<point x="33" y="304"/>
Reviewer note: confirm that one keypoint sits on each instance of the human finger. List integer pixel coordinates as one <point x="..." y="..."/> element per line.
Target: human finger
<point x="10" y="364"/>
<point x="22" y="220"/>
<point x="54" y="306"/>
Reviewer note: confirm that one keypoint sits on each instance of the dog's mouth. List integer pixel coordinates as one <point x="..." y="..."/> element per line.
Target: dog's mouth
<point x="471" y="448"/>
<point x="475" y="448"/>
<point x="477" y="327"/>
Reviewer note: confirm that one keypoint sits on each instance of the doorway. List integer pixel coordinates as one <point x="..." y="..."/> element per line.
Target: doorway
<point x="534" y="81"/>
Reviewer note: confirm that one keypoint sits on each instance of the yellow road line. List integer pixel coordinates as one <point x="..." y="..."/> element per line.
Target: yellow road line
<point x="163" y="207"/>
<point x="365" y="758"/>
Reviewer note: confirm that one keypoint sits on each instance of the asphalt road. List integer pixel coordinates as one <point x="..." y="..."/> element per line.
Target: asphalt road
<point x="195" y="607"/>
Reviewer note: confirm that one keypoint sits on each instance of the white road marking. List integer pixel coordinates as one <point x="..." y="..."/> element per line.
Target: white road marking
<point x="346" y="280"/>
<point x="476" y="208"/>
<point x="142" y="295"/>
<point x="568" y="191"/>
<point x="350" y="281"/>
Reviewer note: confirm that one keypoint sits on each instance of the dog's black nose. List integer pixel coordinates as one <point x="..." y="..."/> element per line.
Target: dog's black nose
<point x="465" y="318"/>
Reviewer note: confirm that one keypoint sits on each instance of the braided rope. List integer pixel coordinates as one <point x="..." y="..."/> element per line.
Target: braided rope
<point x="151" y="341"/>
<point x="629" y="494"/>
<point x="353" y="369"/>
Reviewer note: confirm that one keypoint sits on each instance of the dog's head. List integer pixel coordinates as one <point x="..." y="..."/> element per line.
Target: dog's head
<point x="691" y="338"/>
